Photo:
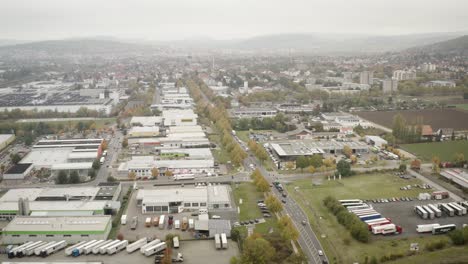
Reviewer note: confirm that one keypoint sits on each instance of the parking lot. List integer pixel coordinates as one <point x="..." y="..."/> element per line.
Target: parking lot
<point x="402" y="213"/>
<point x="194" y="251"/>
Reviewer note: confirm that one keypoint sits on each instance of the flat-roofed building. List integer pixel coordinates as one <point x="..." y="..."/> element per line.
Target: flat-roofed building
<point x="179" y="117"/>
<point x="145" y="131"/>
<point x="175" y="200"/>
<point x="171" y="142"/>
<point x="186" y="153"/>
<point x="146" y="121"/>
<point x="458" y="176"/>
<point x="5" y="140"/>
<point x="253" y="112"/>
<point x="71" y="229"/>
<point x="18" y="171"/>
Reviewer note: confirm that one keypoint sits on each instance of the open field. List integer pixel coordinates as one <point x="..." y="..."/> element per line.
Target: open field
<point x="462" y="106"/>
<point x="437" y="118"/>
<point x="336" y="239"/>
<point x="444" y="150"/>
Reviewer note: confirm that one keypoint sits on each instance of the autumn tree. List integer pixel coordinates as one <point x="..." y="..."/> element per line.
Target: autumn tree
<point x="257" y="250"/>
<point x="288" y="230"/>
<point x="273" y="203"/>
<point x="155" y="172"/>
<point x="459" y="159"/>
<point x="347" y="151"/>
<point x="132" y="175"/>
<point x="416" y="164"/>
<point x="168" y="173"/>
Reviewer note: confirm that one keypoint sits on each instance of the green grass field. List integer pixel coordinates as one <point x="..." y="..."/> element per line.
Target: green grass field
<point x="244" y="135"/>
<point x="462" y="106"/>
<point x="336" y="240"/>
<point x="444" y="150"/>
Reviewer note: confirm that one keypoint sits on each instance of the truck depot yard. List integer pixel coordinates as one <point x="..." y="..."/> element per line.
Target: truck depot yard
<point x="436" y="118"/>
<point x="444" y="150"/>
<point x="336" y="239"/>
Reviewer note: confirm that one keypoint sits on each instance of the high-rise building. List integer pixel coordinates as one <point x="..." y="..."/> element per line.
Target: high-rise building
<point x="428" y="67"/>
<point x="401" y="75"/>
<point x="366" y="77"/>
<point x="389" y="86"/>
<point x="348" y="76"/>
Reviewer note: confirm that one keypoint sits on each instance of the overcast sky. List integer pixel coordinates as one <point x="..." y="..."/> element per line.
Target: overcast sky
<point x="224" y="19"/>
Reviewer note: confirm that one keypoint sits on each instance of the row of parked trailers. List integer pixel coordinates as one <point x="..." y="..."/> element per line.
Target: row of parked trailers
<point x="435" y="229"/>
<point x="431" y="211"/>
<point x="221" y="241"/>
<point x="374" y="220"/>
<point x="38" y="248"/>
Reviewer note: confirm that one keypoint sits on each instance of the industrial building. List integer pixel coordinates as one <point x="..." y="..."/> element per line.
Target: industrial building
<point x="179" y="117"/>
<point x="146" y="121"/>
<point x="171" y="142"/>
<point x="292" y="149"/>
<point x="71" y="229"/>
<point x="5" y="140"/>
<point x="145" y="131"/>
<point x="253" y="113"/>
<point x="143" y="165"/>
<point x="65" y="155"/>
<point x="17" y="171"/>
<point x="458" y="176"/>
<point x="175" y="200"/>
<point x="376" y="141"/>
<point x="186" y="153"/>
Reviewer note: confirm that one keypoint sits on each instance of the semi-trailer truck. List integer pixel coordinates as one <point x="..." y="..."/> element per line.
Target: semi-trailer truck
<point x="37" y="251"/>
<point x="224" y="242"/>
<point x="388" y="229"/>
<point x="69" y="250"/>
<point x="150" y="244"/>
<point x="155" y="249"/>
<point x="379" y="223"/>
<point x="421" y="212"/>
<point x="370" y="217"/>
<point x="436" y="210"/>
<point x="430" y="213"/>
<point x="217" y="241"/>
<point x="30" y="250"/>
<point x="162" y="220"/>
<point x="447" y="209"/>
<point x="117" y="247"/>
<point x="89" y="249"/>
<point x="443" y="229"/>
<point x="426" y="228"/>
<point x="53" y="248"/>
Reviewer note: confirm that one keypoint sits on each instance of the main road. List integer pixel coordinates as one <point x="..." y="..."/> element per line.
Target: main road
<point x="307" y="239"/>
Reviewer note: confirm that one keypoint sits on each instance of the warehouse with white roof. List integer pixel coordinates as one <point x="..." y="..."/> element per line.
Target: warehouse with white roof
<point x="175" y="200"/>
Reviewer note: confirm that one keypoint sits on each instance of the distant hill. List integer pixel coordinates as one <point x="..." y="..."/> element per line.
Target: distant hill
<point x="457" y="46"/>
<point x="75" y="46"/>
<point x="342" y="42"/>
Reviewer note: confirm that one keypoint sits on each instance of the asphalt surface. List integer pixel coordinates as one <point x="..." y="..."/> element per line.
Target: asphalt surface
<point x="307" y="239"/>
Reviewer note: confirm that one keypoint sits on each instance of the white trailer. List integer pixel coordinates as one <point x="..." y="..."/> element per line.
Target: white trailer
<point x="421" y="212"/>
<point x="69" y="250"/>
<point x="162" y="220"/>
<point x="426" y="228"/>
<point x="447" y="209"/>
<point x="37" y="251"/>
<point x="224" y="241"/>
<point x="117" y="247"/>
<point x="53" y="248"/>
<point x="79" y="249"/>
<point x="31" y="246"/>
<point x="175" y="242"/>
<point x="181" y="177"/>
<point x="103" y="249"/>
<point x="97" y="250"/>
<point x="150" y="244"/>
<point x="123" y="220"/>
<point x="384" y="229"/>
<point x="155" y="249"/>
<point x="89" y="247"/>
<point x="18" y="250"/>
<point x="177" y="224"/>
<point x="191" y="224"/>
<point x="461" y="210"/>
<point x="217" y="241"/>
<point x="136" y="245"/>
<point x="430" y="213"/>
<point x="30" y="251"/>
<point x="436" y="210"/>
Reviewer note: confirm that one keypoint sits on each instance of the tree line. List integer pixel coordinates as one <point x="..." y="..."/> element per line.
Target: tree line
<point x="404" y="132"/>
<point x="277" y="123"/>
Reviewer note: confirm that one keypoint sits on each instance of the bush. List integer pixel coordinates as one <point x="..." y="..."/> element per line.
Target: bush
<point x="436" y="245"/>
<point x="457" y="237"/>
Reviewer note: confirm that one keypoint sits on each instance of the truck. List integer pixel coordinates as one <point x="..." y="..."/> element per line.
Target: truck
<point x="436" y="210"/>
<point x="426" y="228"/>
<point x="175" y="242"/>
<point x="69" y="250"/>
<point x="123" y="220"/>
<point x="352" y="204"/>
<point x="155" y="249"/>
<point x="37" y="251"/>
<point x="134" y="223"/>
<point x="370" y="217"/>
<point x="148" y="245"/>
<point x="17" y="251"/>
<point x="148" y="222"/>
<point x="430" y="213"/>
<point x="421" y="212"/>
<point x="155" y="221"/>
<point x="365" y="212"/>
<point x="177" y="224"/>
<point x="32" y="246"/>
<point x="184" y="223"/>
<point x="191" y="224"/>
<point x="379" y="223"/>
<point x="117" y="247"/>
<point x="376" y="220"/>
<point x="101" y="161"/>
<point x="30" y="250"/>
<point x="78" y="250"/>
<point x="224" y="242"/>
<point x="357" y="207"/>
<point x="170" y="221"/>
<point x="386" y="229"/>
<point x="162" y="220"/>
<point x="89" y="248"/>
<point x="460" y="210"/>
<point x="182" y="177"/>
<point x="443" y="229"/>
<point x="136" y="245"/>
<point x="53" y="248"/>
<point x="447" y="209"/>
<point x="217" y="238"/>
